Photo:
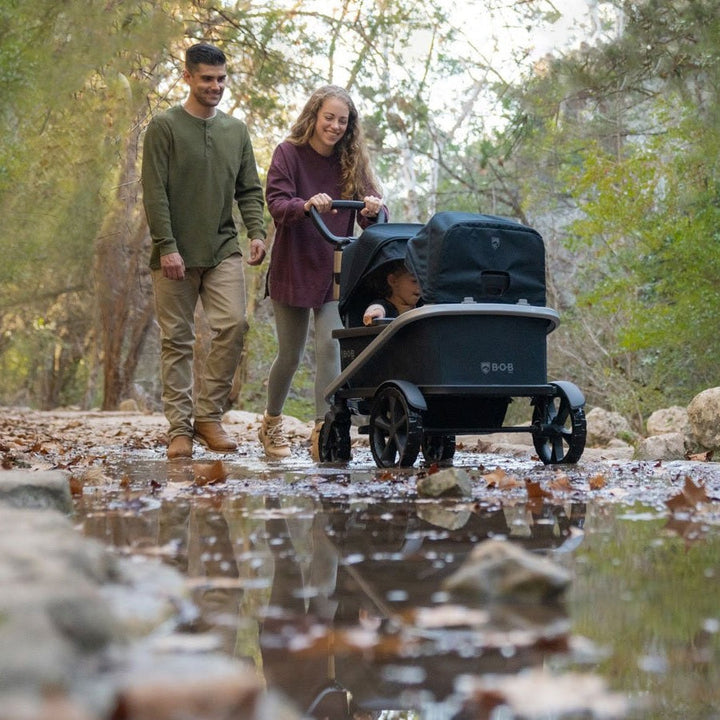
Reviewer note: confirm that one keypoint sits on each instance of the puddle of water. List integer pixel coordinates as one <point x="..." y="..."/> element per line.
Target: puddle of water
<point x="329" y="580"/>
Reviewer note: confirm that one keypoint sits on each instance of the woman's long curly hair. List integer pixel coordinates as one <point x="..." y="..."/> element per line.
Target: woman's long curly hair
<point x="357" y="177"/>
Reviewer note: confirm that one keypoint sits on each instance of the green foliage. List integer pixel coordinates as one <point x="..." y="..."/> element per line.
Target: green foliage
<point x="69" y="83"/>
<point x="618" y="144"/>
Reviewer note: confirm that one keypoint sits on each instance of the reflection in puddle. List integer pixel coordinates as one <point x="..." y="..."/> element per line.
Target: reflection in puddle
<point x="337" y="598"/>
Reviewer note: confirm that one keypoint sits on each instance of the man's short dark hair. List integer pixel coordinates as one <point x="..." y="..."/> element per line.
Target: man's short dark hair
<point x="205" y="54"/>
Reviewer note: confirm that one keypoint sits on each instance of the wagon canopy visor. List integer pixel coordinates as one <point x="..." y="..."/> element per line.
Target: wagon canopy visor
<point x="458" y="255"/>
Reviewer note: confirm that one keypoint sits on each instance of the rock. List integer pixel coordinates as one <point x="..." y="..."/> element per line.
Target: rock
<point x="501" y="569"/>
<point x="51" y="706"/>
<point x="42" y="490"/>
<point x="81" y="622"/>
<point x="614" y="450"/>
<point x="130" y="405"/>
<point x="444" y="517"/>
<point x="604" y="426"/>
<point x="704" y="417"/>
<point x="542" y="693"/>
<point x="668" y="446"/>
<point x="54" y="617"/>
<point x="453" y="482"/>
<point x="210" y="698"/>
<point x="673" y="419"/>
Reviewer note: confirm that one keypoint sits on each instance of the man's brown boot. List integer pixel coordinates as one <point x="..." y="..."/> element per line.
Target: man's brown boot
<point x="214" y="437"/>
<point x="180" y="447"/>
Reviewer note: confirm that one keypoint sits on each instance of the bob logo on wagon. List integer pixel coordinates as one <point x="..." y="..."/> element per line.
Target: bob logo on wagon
<point x="496" y="367"/>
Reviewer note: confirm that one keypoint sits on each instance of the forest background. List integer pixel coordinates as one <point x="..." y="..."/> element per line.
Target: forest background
<point x="605" y="140"/>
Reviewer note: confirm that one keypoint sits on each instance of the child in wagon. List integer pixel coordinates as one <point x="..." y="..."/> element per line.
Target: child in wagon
<point x="400" y="292"/>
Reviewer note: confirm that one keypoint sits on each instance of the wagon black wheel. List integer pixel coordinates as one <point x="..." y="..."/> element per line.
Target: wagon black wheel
<point x="559" y="429"/>
<point x="395" y="430"/>
<point x="438" y="448"/>
<point x="334" y="442"/>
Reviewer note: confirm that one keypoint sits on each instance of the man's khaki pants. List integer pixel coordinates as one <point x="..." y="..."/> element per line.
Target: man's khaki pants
<point x="221" y="290"/>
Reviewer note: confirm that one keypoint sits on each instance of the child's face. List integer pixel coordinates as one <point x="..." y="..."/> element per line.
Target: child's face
<point x="405" y="288"/>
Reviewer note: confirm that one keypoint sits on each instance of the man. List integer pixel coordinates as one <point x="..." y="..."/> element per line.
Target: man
<point x="198" y="161"/>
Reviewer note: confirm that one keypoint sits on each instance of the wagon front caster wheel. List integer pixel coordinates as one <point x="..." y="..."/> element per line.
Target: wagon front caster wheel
<point x="334" y="437"/>
<point x="395" y="430"/>
<point x="334" y="442"/>
<point x="559" y="430"/>
<point x="438" y="449"/>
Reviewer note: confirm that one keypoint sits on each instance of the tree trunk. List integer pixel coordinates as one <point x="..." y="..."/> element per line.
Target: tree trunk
<point x="123" y="283"/>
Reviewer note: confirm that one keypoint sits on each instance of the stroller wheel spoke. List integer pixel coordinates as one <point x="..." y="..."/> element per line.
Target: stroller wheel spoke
<point x="559" y="429"/>
<point x="395" y="429"/>
<point x="334" y="437"/>
<point x="438" y="448"/>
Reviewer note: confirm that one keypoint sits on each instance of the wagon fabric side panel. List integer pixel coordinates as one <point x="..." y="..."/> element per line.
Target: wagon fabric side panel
<point x="452" y="345"/>
<point x="457" y="256"/>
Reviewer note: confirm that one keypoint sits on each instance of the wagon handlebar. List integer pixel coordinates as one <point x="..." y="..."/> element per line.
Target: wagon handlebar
<point x="337" y="240"/>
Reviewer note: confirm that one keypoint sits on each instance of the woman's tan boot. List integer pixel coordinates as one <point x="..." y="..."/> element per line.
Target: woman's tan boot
<point x="272" y="436"/>
<point x="315" y="441"/>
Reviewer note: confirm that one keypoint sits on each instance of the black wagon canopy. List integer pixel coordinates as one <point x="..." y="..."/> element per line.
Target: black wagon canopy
<point x="458" y="256"/>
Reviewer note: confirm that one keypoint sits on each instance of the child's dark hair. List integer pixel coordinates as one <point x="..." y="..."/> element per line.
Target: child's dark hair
<point x="378" y="281"/>
<point x="204" y="54"/>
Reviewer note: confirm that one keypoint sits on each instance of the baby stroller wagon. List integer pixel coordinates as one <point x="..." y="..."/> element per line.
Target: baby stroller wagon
<point x="452" y="366"/>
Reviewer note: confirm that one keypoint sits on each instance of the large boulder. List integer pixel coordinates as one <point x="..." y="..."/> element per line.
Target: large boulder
<point x="603" y="426"/>
<point x="668" y="446"/>
<point x="48" y="489"/>
<point x="704" y="417"/>
<point x="673" y="419"/>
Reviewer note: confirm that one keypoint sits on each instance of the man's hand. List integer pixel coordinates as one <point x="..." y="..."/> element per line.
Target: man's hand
<point x="173" y="266"/>
<point x="257" y="251"/>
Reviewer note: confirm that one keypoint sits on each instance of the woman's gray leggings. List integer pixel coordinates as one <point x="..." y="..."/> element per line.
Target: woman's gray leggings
<point x="292" y="324"/>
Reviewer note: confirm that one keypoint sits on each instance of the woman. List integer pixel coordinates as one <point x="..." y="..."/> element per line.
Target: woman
<point x="325" y="158"/>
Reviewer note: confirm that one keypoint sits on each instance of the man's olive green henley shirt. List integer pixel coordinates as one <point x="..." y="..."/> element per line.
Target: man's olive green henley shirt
<point x="193" y="171"/>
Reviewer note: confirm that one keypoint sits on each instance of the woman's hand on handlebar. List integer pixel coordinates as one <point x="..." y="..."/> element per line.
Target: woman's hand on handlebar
<point x="321" y="202"/>
<point x="373" y="206"/>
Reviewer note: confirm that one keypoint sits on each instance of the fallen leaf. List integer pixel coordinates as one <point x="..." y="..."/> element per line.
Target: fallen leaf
<point x="700" y="457"/>
<point x="689" y="497"/>
<point x="535" y="491"/>
<point x="76" y="485"/>
<point x="560" y="483"/>
<point x="597" y="482"/>
<point x="493" y="478"/>
<point x="509" y="482"/>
